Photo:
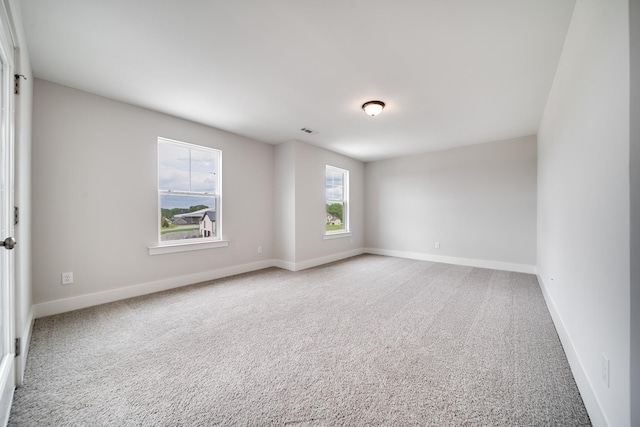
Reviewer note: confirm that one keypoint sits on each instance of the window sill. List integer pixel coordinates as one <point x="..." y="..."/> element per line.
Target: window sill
<point x="337" y="235"/>
<point x="186" y="247"/>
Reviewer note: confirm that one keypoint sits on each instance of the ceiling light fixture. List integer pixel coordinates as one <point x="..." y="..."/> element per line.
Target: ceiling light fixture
<point x="373" y="108"/>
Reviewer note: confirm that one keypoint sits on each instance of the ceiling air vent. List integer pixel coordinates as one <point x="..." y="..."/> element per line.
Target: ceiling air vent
<point x="309" y="131"/>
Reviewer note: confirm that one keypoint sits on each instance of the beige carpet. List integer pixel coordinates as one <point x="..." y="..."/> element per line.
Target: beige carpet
<point x="368" y="341"/>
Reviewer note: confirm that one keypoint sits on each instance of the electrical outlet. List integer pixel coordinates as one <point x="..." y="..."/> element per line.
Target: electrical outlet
<point x="67" y="278"/>
<point x="605" y="370"/>
<point x="259" y="249"/>
<point x="437" y="245"/>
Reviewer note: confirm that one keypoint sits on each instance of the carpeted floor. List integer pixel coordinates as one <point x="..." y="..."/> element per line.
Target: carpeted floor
<point x="368" y="341"/>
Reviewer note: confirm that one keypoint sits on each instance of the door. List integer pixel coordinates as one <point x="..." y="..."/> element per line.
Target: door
<point x="7" y="265"/>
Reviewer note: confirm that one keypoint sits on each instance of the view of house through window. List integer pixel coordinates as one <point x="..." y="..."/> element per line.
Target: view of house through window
<point x="337" y="199"/>
<point x="188" y="191"/>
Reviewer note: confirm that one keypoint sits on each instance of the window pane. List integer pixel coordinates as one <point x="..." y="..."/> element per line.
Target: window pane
<point x="335" y="219"/>
<point x="173" y="167"/>
<point x="173" y="179"/>
<point x="187" y="217"/>
<point x="334" y="178"/>
<point x="204" y="161"/>
<point x="203" y="182"/>
<point x="334" y="193"/>
<point x="187" y="169"/>
<point x="173" y="156"/>
<point x="188" y="186"/>
<point x="334" y="185"/>
<point x="337" y="178"/>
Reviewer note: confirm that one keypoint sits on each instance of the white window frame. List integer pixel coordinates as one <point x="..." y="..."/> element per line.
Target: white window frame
<point x="170" y="246"/>
<point x="346" y="231"/>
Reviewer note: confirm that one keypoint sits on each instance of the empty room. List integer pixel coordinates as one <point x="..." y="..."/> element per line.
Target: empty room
<point x="340" y="213"/>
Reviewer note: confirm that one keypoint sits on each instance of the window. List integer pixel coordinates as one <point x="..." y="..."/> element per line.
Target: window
<point x="337" y="200"/>
<point x="188" y="192"/>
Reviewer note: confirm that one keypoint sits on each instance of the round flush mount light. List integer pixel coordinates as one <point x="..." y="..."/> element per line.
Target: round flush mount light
<point x="373" y="108"/>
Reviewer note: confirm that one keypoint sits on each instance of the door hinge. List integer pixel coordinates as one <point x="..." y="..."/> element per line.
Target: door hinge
<point x="18" y="346"/>
<point x="16" y="83"/>
<point x="16" y="215"/>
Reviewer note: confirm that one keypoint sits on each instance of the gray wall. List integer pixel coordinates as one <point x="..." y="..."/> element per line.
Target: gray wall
<point x="479" y="202"/>
<point x="301" y="216"/>
<point x="583" y="204"/>
<point x="310" y="203"/>
<point x="634" y="22"/>
<point x="95" y="195"/>
<point x="285" y="200"/>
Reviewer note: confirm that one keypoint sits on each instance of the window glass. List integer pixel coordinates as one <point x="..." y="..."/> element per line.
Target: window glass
<point x="188" y="191"/>
<point x="336" y="203"/>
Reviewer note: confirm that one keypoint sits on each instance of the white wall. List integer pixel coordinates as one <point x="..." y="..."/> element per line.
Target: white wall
<point x="285" y="202"/>
<point x="311" y="214"/>
<point x="94" y="177"/>
<point x="583" y="204"/>
<point x="300" y="185"/>
<point x="95" y="199"/>
<point x="634" y="21"/>
<point x="479" y="202"/>
<point x="23" y="107"/>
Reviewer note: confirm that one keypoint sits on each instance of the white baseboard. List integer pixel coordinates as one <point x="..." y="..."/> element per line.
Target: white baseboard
<point x="89" y="300"/>
<point x="470" y="262"/>
<point x="25" y="339"/>
<point x="83" y="301"/>
<point x="303" y="265"/>
<point x="591" y="402"/>
<point x="285" y="265"/>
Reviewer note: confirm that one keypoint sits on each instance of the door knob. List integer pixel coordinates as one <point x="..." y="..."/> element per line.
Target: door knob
<point x="8" y="243"/>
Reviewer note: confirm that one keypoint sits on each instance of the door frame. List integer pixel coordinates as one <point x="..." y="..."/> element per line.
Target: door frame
<point x="7" y="257"/>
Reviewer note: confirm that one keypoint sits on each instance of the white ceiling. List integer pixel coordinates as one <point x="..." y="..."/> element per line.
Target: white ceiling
<point x="452" y="72"/>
